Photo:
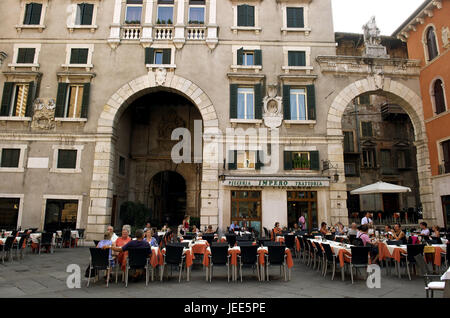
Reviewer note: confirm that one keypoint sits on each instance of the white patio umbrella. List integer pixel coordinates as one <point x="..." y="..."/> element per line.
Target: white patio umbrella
<point x="381" y="187"/>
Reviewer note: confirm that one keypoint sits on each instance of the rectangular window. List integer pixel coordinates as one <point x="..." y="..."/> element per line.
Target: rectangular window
<point x="248" y="58"/>
<point x="121" y="165"/>
<point x="446" y="155"/>
<point x="67" y="159"/>
<point x="349" y="143"/>
<point x="366" y="129"/>
<point x="158" y="57"/>
<point x="165" y="12"/>
<point x="10" y="158"/>
<point x="246" y="159"/>
<point x="364" y="99"/>
<point x="246" y="208"/>
<point x="401" y="159"/>
<point x="79" y="56"/>
<point x="196" y="12"/>
<point x="296" y="58"/>
<point x="84" y="14"/>
<point x="74" y="101"/>
<point x="298" y="104"/>
<point x="33" y="14"/>
<point x="246" y="103"/>
<point x="60" y="214"/>
<point x="9" y="212"/>
<point x="26" y="55"/>
<point x="133" y="12"/>
<point x="295" y="18"/>
<point x="301" y="160"/>
<point x="19" y="101"/>
<point x="350" y="169"/>
<point x="246" y="15"/>
<point x="369" y="158"/>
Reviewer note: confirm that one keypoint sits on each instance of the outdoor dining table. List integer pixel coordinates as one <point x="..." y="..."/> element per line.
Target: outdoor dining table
<point x="187" y="252"/>
<point x="446" y="278"/>
<point x="395" y="251"/>
<point x="340" y="250"/>
<point x="35" y="239"/>
<point x="281" y="239"/>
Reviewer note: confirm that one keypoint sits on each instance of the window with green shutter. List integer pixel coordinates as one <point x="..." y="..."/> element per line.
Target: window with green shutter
<point x="246" y="15"/>
<point x="79" y="56"/>
<point x="84" y="14"/>
<point x="10" y="158"/>
<point x="32" y="14"/>
<point x="296" y="58"/>
<point x="8" y="90"/>
<point x="67" y="159"/>
<point x="301" y="160"/>
<point x="233" y="100"/>
<point x="295" y="18"/>
<point x="232" y="160"/>
<point x="26" y="55"/>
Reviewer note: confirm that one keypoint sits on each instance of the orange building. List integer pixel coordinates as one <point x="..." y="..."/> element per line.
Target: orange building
<point x="427" y="33"/>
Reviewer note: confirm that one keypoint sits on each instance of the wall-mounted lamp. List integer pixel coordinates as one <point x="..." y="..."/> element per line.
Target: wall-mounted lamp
<point x="327" y="165"/>
<point x="222" y="177"/>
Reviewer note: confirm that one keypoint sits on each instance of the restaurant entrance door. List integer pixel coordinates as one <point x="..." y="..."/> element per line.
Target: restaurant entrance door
<point x="302" y="203"/>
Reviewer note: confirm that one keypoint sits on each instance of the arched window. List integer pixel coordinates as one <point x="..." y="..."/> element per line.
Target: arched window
<point x="431" y="44"/>
<point x="439" y="99"/>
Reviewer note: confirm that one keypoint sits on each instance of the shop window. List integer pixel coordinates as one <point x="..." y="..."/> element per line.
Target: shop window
<point x="246" y="208"/>
<point x="302" y="203"/>
<point x="9" y="213"/>
<point x="60" y="214"/>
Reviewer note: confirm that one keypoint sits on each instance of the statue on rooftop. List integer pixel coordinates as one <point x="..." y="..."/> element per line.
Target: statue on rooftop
<point x="371" y="33"/>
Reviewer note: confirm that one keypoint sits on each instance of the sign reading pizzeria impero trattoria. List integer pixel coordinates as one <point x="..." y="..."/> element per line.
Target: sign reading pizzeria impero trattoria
<point x="276" y="183"/>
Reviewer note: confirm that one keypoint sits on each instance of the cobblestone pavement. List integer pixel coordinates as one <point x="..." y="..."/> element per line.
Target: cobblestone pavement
<point x="45" y="276"/>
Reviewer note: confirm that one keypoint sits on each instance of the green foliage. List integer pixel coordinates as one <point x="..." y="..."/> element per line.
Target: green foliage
<point x="135" y="214"/>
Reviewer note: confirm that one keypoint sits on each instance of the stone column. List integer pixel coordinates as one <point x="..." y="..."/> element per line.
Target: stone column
<point x="425" y="183"/>
<point x="179" y="38"/>
<point x="211" y="39"/>
<point x="114" y="33"/>
<point x="101" y="193"/>
<point x="338" y="190"/>
<point x="147" y="27"/>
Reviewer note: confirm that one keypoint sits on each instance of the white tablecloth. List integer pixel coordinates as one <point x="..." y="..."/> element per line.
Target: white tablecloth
<point x="335" y="246"/>
<point x="446" y="275"/>
<point x="73" y="233"/>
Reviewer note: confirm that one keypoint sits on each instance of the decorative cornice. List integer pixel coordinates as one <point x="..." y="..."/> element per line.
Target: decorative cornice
<point x="368" y="66"/>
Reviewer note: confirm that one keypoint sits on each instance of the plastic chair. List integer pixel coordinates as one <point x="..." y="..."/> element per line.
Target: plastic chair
<point x="359" y="258"/>
<point x="138" y="258"/>
<point x="99" y="260"/>
<point x="173" y="257"/>
<point x="249" y="257"/>
<point x="219" y="257"/>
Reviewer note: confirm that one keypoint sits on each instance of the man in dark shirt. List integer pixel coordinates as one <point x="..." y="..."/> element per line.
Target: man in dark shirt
<point x="137" y="243"/>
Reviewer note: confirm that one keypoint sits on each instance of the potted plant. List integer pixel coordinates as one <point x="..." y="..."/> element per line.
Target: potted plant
<point x="169" y="21"/>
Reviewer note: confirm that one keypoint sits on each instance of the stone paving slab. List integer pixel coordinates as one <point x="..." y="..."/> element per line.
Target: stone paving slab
<point x="45" y="276"/>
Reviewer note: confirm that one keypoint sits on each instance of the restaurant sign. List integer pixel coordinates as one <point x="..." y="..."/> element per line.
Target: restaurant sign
<point x="276" y="183"/>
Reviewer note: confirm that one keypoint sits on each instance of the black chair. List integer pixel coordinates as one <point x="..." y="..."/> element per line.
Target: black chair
<point x="138" y="258"/>
<point x="411" y="252"/>
<point x="81" y="233"/>
<point x="357" y="242"/>
<point x="249" y="257"/>
<point x="263" y="241"/>
<point x="359" y="259"/>
<point x="21" y="245"/>
<point x="219" y="257"/>
<point x="188" y="237"/>
<point x="209" y="238"/>
<point x="46" y="241"/>
<point x="320" y="256"/>
<point x="231" y="239"/>
<point x="99" y="260"/>
<point x="311" y="254"/>
<point x="173" y="257"/>
<point x="398" y="243"/>
<point x="351" y="237"/>
<point x="266" y="232"/>
<point x="330" y="258"/>
<point x="302" y="247"/>
<point x="7" y="248"/>
<point x="245" y="243"/>
<point x="330" y="237"/>
<point x="432" y="282"/>
<point x="446" y="256"/>
<point x="66" y="238"/>
<point x="276" y="257"/>
<point x="244" y="237"/>
<point x="289" y="241"/>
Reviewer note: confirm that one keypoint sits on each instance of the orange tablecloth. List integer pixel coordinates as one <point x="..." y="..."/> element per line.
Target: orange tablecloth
<point x="437" y="255"/>
<point x="156" y="258"/>
<point x="199" y="248"/>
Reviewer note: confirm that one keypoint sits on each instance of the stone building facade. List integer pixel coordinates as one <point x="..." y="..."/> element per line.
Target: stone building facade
<point x="90" y="88"/>
<point x="427" y="35"/>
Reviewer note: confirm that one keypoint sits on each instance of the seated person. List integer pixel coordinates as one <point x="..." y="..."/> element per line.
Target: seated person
<point x="209" y="230"/>
<point x="296" y="228"/>
<point x="353" y="229"/>
<point x="148" y="226"/>
<point x="150" y="238"/>
<point x="424" y="229"/>
<point x="339" y="229"/>
<point x="435" y="231"/>
<point x="234" y="227"/>
<point x="277" y="230"/>
<point x="364" y="236"/>
<point x="388" y="232"/>
<point x="114" y="237"/>
<point x="398" y="234"/>
<point x="194" y="229"/>
<point x="137" y="243"/>
<point x="165" y="228"/>
<point x="107" y="243"/>
<point x="323" y="229"/>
